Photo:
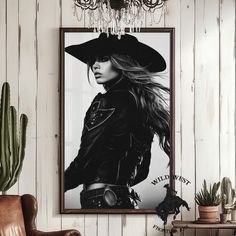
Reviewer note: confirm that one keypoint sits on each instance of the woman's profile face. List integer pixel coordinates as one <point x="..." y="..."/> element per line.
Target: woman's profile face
<point x="103" y="70"/>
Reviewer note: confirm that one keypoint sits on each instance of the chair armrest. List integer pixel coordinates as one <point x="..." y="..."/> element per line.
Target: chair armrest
<point x="30" y="207"/>
<point x="70" y="232"/>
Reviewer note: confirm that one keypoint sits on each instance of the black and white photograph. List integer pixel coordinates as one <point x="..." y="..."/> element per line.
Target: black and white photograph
<point x="116" y="120"/>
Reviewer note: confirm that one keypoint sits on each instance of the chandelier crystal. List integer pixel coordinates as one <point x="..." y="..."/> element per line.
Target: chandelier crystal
<point x="113" y="16"/>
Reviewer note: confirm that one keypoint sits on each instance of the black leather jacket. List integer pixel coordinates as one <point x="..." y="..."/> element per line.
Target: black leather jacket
<point x="115" y="143"/>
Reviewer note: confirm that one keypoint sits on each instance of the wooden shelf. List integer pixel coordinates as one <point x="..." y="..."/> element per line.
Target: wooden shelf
<point x="178" y="224"/>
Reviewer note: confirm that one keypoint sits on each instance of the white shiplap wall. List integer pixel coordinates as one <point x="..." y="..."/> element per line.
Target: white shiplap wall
<point x="204" y="90"/>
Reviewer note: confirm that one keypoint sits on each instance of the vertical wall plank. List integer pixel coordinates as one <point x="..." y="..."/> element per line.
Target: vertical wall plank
<point x="187" y="106"/>
<point x="48" y="22"/>
<point x="227" y="89"/>
<point x="207" y="92"/>
<point x="115" y="225"/>
<point x="27" y="91"/>
<point x="128" y="223"/>
<point x="68" y="17"/>
<point x="227" y="92"/>
<point x="3" y="44"/>
<point x="13" y="49"/>
<point x="91" y="225"/>
<point x="103" y="226"/>
<point x="13" y="60"/>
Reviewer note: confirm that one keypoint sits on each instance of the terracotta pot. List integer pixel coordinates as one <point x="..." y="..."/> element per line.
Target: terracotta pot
<point x="208" y="213"/>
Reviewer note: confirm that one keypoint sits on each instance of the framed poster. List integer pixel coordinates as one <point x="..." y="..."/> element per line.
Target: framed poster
<point x="116" y="120"/>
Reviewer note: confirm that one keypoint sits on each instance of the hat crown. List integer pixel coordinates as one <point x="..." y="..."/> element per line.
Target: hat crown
<point x="126" y="38"/>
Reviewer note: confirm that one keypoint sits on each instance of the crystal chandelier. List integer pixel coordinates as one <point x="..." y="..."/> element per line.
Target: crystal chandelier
<point x="115" y="15"/>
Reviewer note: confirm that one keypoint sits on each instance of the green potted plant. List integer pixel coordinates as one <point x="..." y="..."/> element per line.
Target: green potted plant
<point x="12" y="143"/>
<point x="208" y="201"/>
<point x="228" y="200"/>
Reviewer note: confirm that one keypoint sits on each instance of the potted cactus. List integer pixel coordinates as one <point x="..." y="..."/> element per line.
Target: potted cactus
<point x="12" y="142"/>
<point x="228" y="200"/>
<point x="208" y="202"/>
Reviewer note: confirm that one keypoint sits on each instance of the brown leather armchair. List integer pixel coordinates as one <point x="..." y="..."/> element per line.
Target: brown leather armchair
<point x="17" y="217"/>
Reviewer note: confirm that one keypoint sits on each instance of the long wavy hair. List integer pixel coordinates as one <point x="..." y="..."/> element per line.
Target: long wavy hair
<point x="150" y="95"/>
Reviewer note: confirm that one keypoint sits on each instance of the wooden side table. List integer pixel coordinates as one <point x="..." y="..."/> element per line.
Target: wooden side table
<point x="183" y="225"/>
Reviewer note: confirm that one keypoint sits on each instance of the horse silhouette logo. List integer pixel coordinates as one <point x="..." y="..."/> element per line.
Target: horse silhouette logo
<point x="170" y="204"/>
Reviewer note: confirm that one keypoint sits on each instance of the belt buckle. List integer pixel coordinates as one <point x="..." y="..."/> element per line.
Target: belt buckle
<point x="109" y="197"/>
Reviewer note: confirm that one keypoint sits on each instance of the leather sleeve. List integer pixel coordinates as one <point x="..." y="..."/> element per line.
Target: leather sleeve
<point x="105" y="131"/>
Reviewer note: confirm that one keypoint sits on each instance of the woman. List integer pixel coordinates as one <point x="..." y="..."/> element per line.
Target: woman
<point x="119" y="125"/>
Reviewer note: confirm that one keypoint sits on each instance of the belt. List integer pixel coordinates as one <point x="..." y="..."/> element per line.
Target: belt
<point x="101" y="195"/>
<point x="102" y="185"/>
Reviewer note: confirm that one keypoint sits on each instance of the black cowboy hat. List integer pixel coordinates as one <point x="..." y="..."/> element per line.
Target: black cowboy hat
<point x="127" y="45"/>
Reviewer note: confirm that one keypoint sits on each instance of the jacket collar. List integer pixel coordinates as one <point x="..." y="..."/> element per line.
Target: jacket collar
<point x="121" y="84"/>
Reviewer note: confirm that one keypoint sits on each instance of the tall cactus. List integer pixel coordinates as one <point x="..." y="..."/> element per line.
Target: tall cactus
<point x="227" y="195"/>
<point x="12" y="144"/>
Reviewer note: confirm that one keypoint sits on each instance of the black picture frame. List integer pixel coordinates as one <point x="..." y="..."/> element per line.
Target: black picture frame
<point x="163" y="40"/>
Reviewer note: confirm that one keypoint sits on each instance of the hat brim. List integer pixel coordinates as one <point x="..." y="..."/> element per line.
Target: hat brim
<point x="127" y="45"/>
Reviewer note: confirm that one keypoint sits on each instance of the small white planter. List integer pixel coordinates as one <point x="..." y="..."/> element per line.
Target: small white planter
<point x="233" y="215"/>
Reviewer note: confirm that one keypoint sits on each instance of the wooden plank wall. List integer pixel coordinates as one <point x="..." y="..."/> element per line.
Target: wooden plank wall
<point x="204" y="90"/>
